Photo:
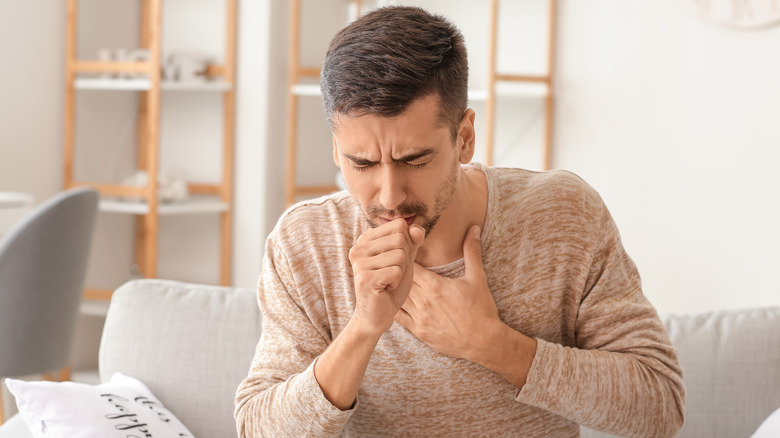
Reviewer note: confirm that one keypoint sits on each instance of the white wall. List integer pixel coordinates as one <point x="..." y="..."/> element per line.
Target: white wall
<point x="675" y="121"/>
<point x="31" y="90"/>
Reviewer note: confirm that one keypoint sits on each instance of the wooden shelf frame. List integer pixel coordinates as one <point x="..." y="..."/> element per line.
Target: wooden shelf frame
<point x="297" y="73"/>
<point x="494" y="77"/>
<point x="148" y="131"/>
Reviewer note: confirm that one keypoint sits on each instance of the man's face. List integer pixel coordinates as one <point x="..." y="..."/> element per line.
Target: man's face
<point x="402" y="167"/>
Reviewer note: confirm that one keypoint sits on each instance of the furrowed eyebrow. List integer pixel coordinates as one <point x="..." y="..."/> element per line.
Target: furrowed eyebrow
<point x="405" y="159"/>
<point x="357" y="160"/>
<point x="416" y="156"/>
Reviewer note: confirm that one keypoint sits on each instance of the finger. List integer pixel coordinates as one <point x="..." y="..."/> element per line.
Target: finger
<point x="396" y="226"/>
<point x="410" y="306"/>
<point x="472" y="251"/>
<point x="384" y="278"/>
<point x="393" y="257"/>
<point x="405" y="319"/>
<point x="379" y="245"/>
<point x="417" y="234"/>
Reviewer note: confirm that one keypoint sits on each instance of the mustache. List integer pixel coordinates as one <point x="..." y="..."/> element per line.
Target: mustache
<point x="404" y="210"/>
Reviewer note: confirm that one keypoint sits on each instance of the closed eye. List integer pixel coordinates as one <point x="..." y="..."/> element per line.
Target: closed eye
<point x="359" y="164"/>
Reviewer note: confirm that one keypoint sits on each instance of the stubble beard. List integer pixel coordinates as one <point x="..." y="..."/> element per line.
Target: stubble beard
<point x="441" y="201"/>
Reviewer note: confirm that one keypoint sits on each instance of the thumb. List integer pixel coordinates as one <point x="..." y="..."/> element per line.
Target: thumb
<point x="472" y="250"/>
<point x="417" y="234"/>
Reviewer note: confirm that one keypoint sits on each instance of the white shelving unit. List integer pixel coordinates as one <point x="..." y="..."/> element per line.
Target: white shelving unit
<point x="145" y="78"/>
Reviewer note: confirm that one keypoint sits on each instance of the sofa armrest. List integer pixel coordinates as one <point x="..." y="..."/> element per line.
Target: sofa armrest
<point x="190" y="344"/>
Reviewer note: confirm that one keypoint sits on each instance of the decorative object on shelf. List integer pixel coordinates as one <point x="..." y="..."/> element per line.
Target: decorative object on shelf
<point x="168" y="190"/>
<point x="122" y="55"/>
<point x="186" y="66"/>
<point x="740" y="14"/>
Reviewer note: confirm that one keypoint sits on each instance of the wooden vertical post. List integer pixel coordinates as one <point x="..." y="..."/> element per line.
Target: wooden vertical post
<point x="490" y="104"/>
<point x="151" y="219"/>
<point x="549" y="101"/>
<point x="70" y="94"/>
<point x="292" y="102"/>
<point x="143" y="139"/>
<point x="229" y="103"/>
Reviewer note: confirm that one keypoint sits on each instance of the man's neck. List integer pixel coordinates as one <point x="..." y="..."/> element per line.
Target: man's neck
<point x="444" y="244"/>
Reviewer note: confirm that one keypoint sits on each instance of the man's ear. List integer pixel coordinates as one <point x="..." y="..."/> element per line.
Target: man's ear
<point x="466" y="137"/>
<point x="336" y="152"/>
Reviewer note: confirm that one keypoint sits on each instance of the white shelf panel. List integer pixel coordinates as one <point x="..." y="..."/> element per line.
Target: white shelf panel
<point x="193" y="205"/>
<point x="503" y="89"/>
<point x="16" y="200"/>
<point x="112" y="84"/>
<point x="142" y="84"/>
<point x="213" y="85"/>
<point x="306" y="89"/>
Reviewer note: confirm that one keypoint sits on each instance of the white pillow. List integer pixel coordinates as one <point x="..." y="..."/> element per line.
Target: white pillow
<point x="123" y="407"/>
<point x="770" y="428"/>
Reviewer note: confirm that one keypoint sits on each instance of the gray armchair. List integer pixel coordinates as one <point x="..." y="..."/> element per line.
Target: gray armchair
<point x="43" y="260"/>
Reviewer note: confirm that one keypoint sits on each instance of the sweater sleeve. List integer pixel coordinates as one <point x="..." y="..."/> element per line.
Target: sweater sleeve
<point x="623" y="375"/>
<point x="280" y="396"/>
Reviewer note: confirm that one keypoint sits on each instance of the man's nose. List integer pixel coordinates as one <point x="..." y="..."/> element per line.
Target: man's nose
<point x="392" y="190"/>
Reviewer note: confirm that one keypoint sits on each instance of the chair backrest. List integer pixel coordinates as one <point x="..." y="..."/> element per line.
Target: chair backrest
<point x="43" y="260"/>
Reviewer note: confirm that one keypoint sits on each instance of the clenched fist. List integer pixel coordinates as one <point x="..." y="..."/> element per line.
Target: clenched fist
<point x="383" y="265"/>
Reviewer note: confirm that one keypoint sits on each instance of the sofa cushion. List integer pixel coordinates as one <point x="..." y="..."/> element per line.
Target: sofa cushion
<point x="190" y="344"/>
<point x="731" y="368"/>
<point x="121" y="408"/>
<point x="15" y="427"/>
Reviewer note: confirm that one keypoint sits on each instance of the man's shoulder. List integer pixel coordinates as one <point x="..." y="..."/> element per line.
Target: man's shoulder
<point x="534" y="195"/>
<point x="544" y="186"/>
<point x="319" y="216"/>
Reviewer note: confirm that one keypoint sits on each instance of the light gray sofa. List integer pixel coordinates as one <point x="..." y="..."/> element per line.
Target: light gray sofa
<point x="192" y="346"/>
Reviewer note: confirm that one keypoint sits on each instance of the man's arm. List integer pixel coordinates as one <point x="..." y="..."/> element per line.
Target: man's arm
<point x="383" y="265"/>
<point x="280" y="395"/>
<point x="299" y="385"/>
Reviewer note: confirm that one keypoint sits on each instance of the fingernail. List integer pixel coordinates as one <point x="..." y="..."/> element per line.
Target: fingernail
<point x="476" y="232"/>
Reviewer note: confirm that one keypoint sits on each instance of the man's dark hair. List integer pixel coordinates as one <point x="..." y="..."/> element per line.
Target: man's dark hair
<point x="390" y="57"/>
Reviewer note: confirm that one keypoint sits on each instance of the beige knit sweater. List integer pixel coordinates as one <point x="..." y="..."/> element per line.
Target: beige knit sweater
<point x="558" y="272"/>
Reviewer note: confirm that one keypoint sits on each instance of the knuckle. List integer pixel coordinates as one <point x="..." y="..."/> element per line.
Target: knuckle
<point x="398" y="256"/>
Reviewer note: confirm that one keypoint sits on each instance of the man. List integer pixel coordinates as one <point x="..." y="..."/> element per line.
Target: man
<point x="438" y="297"/>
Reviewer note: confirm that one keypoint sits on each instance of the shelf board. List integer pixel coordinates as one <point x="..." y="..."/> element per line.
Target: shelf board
<point x="143" y="84"/>
<point x="503" y="89"/>
<point x="193" y="205"/>
<point x="16" y="200"/>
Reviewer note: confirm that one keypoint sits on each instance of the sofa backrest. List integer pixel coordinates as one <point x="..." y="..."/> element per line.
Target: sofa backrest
<point x="190" y="344"/>
<point x="731" y="368"/>
<point x="193" y="344"/>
